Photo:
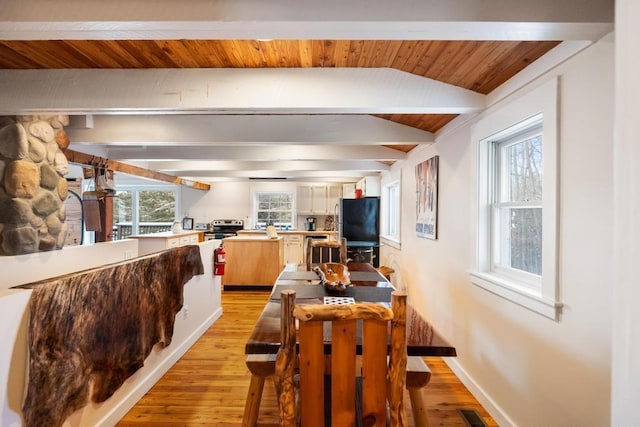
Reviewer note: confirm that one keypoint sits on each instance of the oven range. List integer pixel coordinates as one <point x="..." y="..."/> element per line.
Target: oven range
<point x="221" y="228"/>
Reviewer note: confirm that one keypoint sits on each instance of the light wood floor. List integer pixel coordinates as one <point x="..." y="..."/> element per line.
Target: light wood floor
<point x="208" y="385"/>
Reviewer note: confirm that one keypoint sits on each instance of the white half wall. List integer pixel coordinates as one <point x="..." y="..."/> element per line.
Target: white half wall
<point x="524" y="368"/>
<point x="202" y="306"/>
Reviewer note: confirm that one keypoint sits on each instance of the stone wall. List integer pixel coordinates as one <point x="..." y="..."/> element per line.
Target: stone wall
<point x="32" y="183"/>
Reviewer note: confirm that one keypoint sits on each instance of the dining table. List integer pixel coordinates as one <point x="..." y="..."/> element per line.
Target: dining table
<point x="367" y="284"/>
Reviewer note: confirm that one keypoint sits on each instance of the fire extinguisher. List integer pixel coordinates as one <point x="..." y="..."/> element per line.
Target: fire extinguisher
<point x="219" y="261"/>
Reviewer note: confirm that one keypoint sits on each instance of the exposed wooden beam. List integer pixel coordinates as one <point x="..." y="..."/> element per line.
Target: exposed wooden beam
<point x="90" y="160"/>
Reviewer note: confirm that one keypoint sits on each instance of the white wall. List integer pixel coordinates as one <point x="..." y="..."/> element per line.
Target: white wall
<point x="225" y="200"/>
<point x="626" y="328"/>
<point x="202" y="306"/>
<point x="526" y="369"/>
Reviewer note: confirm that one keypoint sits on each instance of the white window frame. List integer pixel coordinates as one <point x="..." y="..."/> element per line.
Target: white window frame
<point x="540" y="295"/>
<point x="135" y="205"/>
<point x="391" y="202"/>
<point x="291" y="194"/>
<point x="496" y="169"/>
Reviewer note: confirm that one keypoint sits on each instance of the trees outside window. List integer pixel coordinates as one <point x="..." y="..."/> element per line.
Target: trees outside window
<point x="517" y="202"/>
<point x="274" y="208"/>
<point x="143" y="211"/>
<point x="156" y="206"/>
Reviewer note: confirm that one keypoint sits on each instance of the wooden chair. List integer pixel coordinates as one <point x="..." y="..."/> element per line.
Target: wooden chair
<point x="382" y="381"/>
<point x="386" y="271"/>
<point x="324" y="250"/>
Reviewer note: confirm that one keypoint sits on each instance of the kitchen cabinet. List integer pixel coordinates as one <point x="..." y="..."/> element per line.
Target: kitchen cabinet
<point x="370" y="186"/>
<point x="318" y="199"/>
<point x="309" y="199"/>
<point x="295" y="242"/>
<point x="155" y="242"/>
<point x="252" y="260"/>
<point x="349" y="191"/>
<point x="293" y="249"/>
<point x="333" y="199"/>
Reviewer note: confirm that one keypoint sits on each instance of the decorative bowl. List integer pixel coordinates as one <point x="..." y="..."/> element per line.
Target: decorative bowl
<point x="334" y="277"/>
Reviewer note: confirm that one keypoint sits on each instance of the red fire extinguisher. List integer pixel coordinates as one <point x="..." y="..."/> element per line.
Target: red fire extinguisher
<point x="219" y="261"/>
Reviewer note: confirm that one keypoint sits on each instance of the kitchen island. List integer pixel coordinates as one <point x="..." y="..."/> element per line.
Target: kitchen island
<point x="252" y="261"/>
<point x="294" y="242"/>
<point x="304" y="233"/>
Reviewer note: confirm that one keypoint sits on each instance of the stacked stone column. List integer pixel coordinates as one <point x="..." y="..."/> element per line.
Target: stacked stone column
<point x="32" y="186"/>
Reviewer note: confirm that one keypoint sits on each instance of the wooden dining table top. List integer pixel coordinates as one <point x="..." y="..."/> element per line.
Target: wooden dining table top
<point x="368" y="285"/>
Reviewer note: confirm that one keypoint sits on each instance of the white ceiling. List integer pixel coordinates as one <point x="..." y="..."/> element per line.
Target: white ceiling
<point x="311" y="124"/>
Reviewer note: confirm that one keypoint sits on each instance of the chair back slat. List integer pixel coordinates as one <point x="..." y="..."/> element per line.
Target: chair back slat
<point x="343" y="372"/>
<point x="374" y="370"/>
<point x="311" y="361"/>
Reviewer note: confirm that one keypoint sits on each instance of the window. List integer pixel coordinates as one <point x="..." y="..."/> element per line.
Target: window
<point x="516" y="204"/>
<point x="274" y="208"/>
<point x="516" y="232"/>
<point x="140" y="210"/>
<point x="391" y="212"/>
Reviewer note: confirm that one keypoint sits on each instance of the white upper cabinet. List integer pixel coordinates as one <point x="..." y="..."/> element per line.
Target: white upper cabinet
<point x="333" y="199"/>
<point x="318" y="199"/>
<point x="370" y="186"/>
<point x="349" y="190"/>
<point x="303" y="199"/>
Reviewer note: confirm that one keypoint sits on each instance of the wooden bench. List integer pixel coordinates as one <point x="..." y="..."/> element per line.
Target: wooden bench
<point x="418" y="376"/>
<point x="262" y="366"/>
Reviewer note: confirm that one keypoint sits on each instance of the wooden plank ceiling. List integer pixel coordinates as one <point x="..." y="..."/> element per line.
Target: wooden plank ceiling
<point x="339" y="91"/>
<point x="480" y="66"/>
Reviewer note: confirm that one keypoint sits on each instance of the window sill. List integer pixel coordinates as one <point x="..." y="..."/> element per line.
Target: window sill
<point x="391" y="242"/>
<point x="515" y="293"/>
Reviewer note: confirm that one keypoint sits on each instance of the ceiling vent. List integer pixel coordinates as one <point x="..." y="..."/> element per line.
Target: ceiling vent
<point x="258" y="178"/>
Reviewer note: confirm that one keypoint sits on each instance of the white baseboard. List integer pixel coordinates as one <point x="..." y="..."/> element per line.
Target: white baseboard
<point x="478" y="392"/>
<point x="129" y="400"/>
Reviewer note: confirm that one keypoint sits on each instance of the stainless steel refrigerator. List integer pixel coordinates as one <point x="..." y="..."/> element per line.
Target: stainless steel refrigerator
<point x="359" y="223"/>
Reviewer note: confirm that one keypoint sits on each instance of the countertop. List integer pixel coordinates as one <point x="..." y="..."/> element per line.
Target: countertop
<point x="251" y="238"/>
<point x="165" y="234"/>
<point x="303" y="232"/>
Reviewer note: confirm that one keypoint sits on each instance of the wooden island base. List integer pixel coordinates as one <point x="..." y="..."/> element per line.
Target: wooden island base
<point x="252" y="262"/>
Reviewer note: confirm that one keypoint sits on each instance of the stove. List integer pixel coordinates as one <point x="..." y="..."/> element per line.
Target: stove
<point x="221" y="228"/>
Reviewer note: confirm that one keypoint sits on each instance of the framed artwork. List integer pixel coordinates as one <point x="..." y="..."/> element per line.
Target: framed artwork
<point x="187" y="223"/>
<point x="427" y="198"/>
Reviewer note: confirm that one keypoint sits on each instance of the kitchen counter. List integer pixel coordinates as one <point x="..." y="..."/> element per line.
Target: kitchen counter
<point x="250" y="237"/>
<point x="294" y="241"/>
<point x="165" y="234"/>
<point x="154" y="242"/>
<point x="288" y="232"/>
<point x="252" y="260"/>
